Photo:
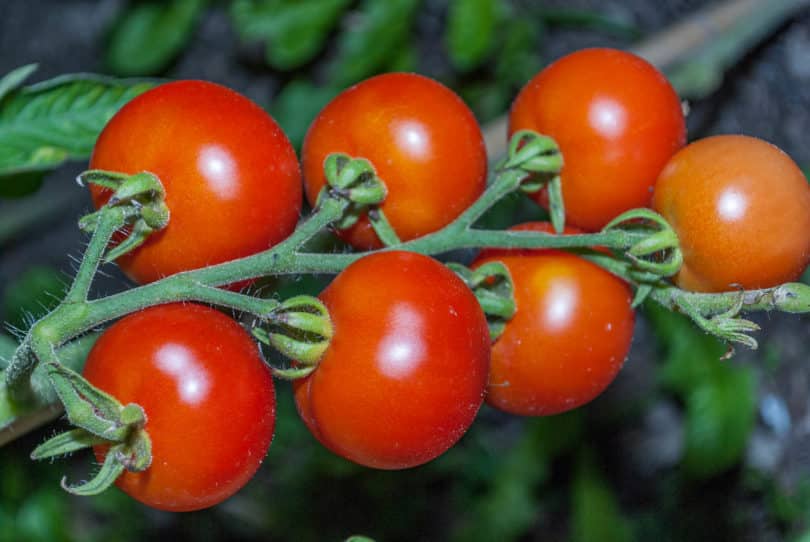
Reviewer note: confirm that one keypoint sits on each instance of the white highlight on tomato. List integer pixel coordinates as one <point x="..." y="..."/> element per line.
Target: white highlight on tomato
<point x="219" y="169"/>
<point x="402" y="350"/>
<point x="180" y="363"/>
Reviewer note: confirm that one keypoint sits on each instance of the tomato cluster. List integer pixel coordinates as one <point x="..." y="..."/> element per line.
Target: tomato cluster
<point x="411" y="359"/>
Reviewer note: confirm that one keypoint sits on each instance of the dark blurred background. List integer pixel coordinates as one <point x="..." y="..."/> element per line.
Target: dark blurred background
<point x="682" y="447"/>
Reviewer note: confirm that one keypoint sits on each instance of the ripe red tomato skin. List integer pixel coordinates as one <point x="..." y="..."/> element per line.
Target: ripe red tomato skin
<point x="569" y="337"/>
<point x="741" y="210"/>
<point x="232" y="180"/>
<point x="617" y="121"/>
<point x="208" y="398"/>
<point x="406" y="370"/>
<point x="423" y="141"/>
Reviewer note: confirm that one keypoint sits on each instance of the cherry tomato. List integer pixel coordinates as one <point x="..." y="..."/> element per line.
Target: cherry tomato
<point x="741" y="209"/>
<point x="569" y="337"/>
<point x="405" y="373"/>
<point x="208" y="398"/>
<point x="617" y="121"/>
<point x="233" y="185"/>
<point x="421" y="138"/>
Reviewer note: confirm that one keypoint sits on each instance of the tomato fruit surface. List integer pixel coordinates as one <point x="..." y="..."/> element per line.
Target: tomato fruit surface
<point x="741" y="210"/>
<point x="423" y="141"/>
<point x="617" y="121"/>
<point x="405" y="373"/>
<point x="569" y="336"/>
<point x="232" y="180"/>
<point x="208" y="397"/>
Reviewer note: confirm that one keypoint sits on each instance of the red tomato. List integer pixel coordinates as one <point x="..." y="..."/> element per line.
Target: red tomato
<point x="424" y="143"/>
<point x="406" y="370"/>
<point x="569" y="337"/>
<point x="617" y="121"/>
<point x="233" y="185"/>
<point x="208" y="398"/>
<point x="741" y="209"/>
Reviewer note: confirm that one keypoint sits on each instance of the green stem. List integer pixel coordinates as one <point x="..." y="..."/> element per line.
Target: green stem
<point x="109" y="220"/>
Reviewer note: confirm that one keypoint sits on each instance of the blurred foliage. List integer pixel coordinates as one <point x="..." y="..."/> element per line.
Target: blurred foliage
<point x="32" y="295"/>
<point x="294" y="31"/>
<point x="595" y="510"/>
<point x="150" y="34"/>
<point x="719" y="397"/>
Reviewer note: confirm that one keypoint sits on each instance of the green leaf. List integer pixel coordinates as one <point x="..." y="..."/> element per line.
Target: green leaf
<point x="378" y="31"/>
<point x="32" y="295"/>
<point x="15" y="78"/>
<point x="470" y="31"/>
<point x="297" y="105"/>
<point x="596" y="514"/>
<point x="720" y="416"/>
<point x="43" y="125"/>
<point x="150" y="34"/>
<point x="295" y="30"/>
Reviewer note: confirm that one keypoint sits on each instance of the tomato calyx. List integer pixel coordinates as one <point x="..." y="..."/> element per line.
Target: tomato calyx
<point x="658" y="253"/>
<point x="140" y="198"/>
<point x="727" y="325"/>
<point x="301" y="329"/>
<point x="492" y="285"/>
<point x="540" y="158"/>
<point x="356" y="180"/>
<point x="100" y="419"/>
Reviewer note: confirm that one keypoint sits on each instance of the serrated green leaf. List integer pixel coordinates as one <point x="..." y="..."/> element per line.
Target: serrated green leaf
<point x="295" y="31"/>
<point x="43" y="125"/>
<point x="378" y="30"/>
<point x="720" y="416"/>
<point x="297" y="105"/>
<point x="15" y="78"/>
<point x="470" y="32"/>
<point x="150" y="34"/>
<point x="596" y="514"/>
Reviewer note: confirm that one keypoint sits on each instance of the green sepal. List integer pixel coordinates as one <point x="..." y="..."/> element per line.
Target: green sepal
<point x="299" y="328"/>
<point x="383" y="228"/>
<point x="66" y="443"/>
<point x="533" y="153"/>
<point x="493" y="288"/>
<point x="88" y="407"/>
<point x="643" y="290"/>
<point x="355" y="180"/>
<point x="140" y="197"/>
<point x="292" y="373"/>
<point x="556" y="205"/>
<point x="727" y="326"/>
<point x="110" y="470"/>
<point x="659" y="252"/>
